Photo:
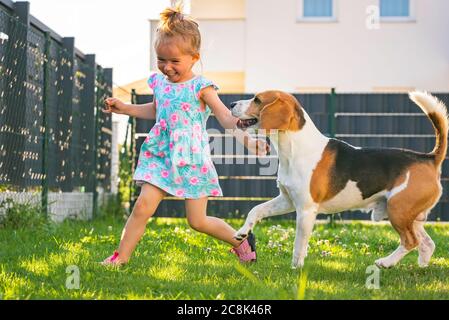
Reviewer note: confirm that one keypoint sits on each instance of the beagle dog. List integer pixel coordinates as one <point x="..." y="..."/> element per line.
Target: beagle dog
<point x="321" y="175"/>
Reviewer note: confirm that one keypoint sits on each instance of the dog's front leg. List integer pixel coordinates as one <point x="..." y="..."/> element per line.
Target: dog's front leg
<point x="305" y="221"/>
<point x="277" y="206"/>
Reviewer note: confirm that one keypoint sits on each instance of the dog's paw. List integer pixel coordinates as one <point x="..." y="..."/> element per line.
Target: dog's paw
<point x="384" y="263"/>
<point x="241" y="234"/>
<point x="297" y="263"/>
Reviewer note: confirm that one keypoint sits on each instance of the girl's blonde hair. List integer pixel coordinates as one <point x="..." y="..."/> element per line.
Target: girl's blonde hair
<point x="174" y="23"/>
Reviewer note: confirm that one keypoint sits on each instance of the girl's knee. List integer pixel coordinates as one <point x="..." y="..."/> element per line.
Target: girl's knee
<point x="197" y="224"/>
<point x="142" y="209"/>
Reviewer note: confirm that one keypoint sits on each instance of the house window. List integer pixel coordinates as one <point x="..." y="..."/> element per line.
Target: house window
<point x="395" y="8"/>
<point x="317" y="10"/>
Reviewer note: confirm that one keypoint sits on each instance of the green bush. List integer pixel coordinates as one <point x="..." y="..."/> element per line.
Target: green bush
<point x="14" y="215"/>
<point x="113" y="206"/>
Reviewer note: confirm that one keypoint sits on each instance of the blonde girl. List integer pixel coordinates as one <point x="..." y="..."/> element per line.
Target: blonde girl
<point x="175" y="158"/>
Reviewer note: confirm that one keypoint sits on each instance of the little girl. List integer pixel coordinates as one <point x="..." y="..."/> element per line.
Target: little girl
<point x="175" y="158"/>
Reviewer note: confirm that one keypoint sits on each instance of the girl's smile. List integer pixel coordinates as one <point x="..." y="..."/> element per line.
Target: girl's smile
<point x="173" y="63"/>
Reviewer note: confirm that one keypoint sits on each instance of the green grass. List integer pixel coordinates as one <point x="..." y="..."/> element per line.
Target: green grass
<point x="174" y="262"/>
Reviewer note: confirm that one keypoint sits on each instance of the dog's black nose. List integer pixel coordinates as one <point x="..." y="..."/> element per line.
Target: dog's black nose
<point x="233" y="105"/>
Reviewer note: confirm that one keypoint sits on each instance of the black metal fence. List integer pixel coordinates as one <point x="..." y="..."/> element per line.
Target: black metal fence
<point x="366" y="120"/>
<point x="53" y="136"/>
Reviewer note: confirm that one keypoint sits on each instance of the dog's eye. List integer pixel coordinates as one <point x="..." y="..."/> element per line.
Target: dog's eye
<point x="257" y="100"/>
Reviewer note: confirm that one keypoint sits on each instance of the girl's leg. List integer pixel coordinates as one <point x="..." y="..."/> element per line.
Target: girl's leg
<point x="196" y="211"/>
<point x="145" y="207"/>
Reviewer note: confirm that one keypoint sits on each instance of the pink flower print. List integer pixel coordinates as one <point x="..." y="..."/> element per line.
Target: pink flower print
<point x="147" y="154"/>
<point x="196" y="127"/>
<point x="139" y="163"/>
<point x="171" y="145"/>
<point x="161" y="143"/>
<point x="186" y="122"/>
<point x="204" y="170"/>
<point x="166" y="103"/>
<point x="147" y="177"/>
<point x="161" y="154"/>
<point x="194" y="167"/>
<point x="163" y="124"/>
<point x="195" y="149"/>
<point x="167" y="89"/>
<point x="194" y="181"/>
<point x="156" y="132"/>
<point x="165" y="174"/>
<point x="178" y="180"/>
<point x="147" y="140"/>
<point x="176" y="136"/>
<point x="180" y="193"/>
<point x="182" y="163"/>
<point x="192" y="88"/>
<point x="213" y="180"/>
<point x="174" y="117"/>
<point x="152" y="166"/>
<point x="185" y="106"/>
<point x="180" y="149"/>
<point x="215" y="192"/>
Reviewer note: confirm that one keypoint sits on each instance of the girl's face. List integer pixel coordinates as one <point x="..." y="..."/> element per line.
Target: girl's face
<point x="173" y="63"/>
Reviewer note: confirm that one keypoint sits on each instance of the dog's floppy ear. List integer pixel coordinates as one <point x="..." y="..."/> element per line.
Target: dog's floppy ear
<point x="276" y="115"/>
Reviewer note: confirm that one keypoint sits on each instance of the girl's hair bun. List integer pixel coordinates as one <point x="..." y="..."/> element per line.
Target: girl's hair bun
<point x="171" y="16"/>
<point x="174" y="23"/>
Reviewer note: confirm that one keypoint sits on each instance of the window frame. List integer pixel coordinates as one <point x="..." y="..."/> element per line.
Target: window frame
<point x="410" y="18"/>
<point x="302" y="18"/>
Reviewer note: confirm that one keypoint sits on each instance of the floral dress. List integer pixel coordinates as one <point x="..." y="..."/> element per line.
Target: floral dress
<point x="176" y="156"/>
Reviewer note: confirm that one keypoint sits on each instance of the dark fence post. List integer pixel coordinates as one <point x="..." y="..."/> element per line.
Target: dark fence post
<point x="97" y="136"/>
<point x="108" y="77"/>
<point x="18" y="81"/>
<point x="65" y="111"/>
<point x="331" y="124"/>
<point x="132" y="148"/>
<point x="45" y="123"/>
<point x="91" y="75"/>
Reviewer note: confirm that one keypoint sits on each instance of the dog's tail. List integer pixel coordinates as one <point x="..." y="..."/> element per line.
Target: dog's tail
<point x="437" y="113"/>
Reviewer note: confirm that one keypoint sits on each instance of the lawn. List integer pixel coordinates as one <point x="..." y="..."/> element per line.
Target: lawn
<point x="174" y="262"/>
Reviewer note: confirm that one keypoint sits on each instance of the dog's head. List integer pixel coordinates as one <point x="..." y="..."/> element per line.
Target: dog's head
<point x="269" y="110"/>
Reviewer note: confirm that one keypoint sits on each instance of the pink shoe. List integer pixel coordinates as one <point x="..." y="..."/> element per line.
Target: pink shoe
<point x="246" y="251"/>
<point x="112" y="260"/>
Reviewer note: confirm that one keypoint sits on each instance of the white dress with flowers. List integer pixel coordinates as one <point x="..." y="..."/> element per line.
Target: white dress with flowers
<point x="176" y="155"/>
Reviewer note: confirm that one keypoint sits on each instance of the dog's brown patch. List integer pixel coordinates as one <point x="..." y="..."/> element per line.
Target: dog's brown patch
<point x="321" y="187"/>
<point x="278" y="111"/>
<point x="420" y="195"/>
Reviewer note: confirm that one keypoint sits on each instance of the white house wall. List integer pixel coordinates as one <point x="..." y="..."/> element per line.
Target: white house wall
<point x="285" y="54"/>
<point x="223" y="47"/>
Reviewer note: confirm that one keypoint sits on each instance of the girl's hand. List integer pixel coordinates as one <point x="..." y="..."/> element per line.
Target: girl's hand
<point x="258" y="146"/>
<point x="114" y="105"/>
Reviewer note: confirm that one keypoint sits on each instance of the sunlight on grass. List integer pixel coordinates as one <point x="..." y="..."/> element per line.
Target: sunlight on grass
<point x="39" y="267"/>
<point x="302" y="284"/>
<point x="336" y="265"/>
<point x="173" y="261"/>
<point x="441" y="262"/>
<point x="170" y="272"/>
<point x="12" y="286"/>
<point x="246" y="273"/>
<point x="323" y="286"/>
